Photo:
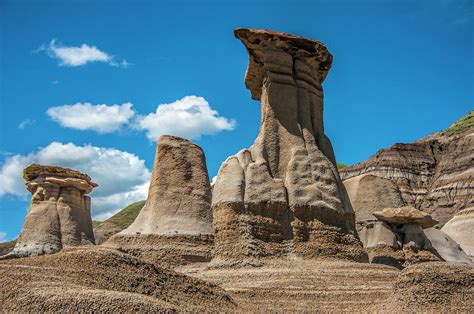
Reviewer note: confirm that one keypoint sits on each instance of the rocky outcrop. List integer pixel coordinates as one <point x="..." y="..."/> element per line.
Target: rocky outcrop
<point x="59" y="215"/>
<point x="461" y="229"/>
<point x="396" y="237"/>
<point x="448" y="249"/>
<point x="434" y="174"/>
<point x="405" y="215"/>
<point x="370" y="193"/>
<point x="175" y="225"/>
<point x="283" y="195"/>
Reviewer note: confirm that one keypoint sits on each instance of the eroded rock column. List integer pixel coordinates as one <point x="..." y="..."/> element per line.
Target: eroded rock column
<point x="59" y="214"/>
<point x="283" y="196"/>
<point x="175" y="225"/>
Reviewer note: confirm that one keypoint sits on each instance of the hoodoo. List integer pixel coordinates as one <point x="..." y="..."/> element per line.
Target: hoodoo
<point x="175" y="225"/>
<point x="283" y="197"/>
<point x="59" y="215"/>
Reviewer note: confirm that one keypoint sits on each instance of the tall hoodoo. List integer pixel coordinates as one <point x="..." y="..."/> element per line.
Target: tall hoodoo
<point x="60" y="211"/>
<point x="283" y="195"/>
<point x="175" y="225"/>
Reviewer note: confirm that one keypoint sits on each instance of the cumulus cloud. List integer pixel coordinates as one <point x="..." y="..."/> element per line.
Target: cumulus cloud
<point x="99" y="118"/>
<point x="189" y="117"/>
<point x="3" y="236"/>
<point x="123" y="177"/>
<point x="78" y="56"/>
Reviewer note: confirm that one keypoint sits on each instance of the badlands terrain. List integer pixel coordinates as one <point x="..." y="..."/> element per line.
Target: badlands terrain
<point x="282" y="229"/>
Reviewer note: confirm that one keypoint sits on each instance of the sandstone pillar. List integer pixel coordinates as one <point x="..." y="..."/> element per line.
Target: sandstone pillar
<point x="283" y="196"/>
<point x="175" y="225"/>
<point x="59" y="213"/>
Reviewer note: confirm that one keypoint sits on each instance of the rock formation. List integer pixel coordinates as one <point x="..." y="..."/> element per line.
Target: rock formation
<point x="370" y="193"/>
<point x="395" y="236"/>
<point x="175" y="225"/>
<point x="283" y="196"/>
<point x="59" y="215"/>
<point x="448" y="249"/>
<point x="461" y="229"/>
<point x="434" y="174"/>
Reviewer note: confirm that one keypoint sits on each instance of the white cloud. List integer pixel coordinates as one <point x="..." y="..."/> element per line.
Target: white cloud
<point x="78" y="56"/>
<point x="24" y="123"/>
<point x="3" y="236"/>
<point x="188" y="117"/>
<point x="123" y="177"/>
<point x="213" y="180"/>
<point x="99" y="118"/>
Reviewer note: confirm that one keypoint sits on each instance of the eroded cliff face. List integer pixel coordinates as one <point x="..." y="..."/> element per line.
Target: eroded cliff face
<point x="283" y="195"/>
<point x="434" y="174"/>
<point x="59" y="215"/>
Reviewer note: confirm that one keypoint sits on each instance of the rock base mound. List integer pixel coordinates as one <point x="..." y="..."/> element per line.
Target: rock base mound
<point x="165" y="250"/>
<point x="434" y="287"/>
<point x="98" y="279"/>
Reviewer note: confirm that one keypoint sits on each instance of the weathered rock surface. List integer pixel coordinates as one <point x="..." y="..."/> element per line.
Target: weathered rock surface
<point x="283" y="196"/>
<point x="175" y="225"/>
<point x="396" y="237"/>
<point x="446" y="247"/>
<point x="370" y="193"/>
<point x="461" y="229"/>
<point x="434" y="174"/>
<point x="405" y="215"/>
<point x="59" y="215"/>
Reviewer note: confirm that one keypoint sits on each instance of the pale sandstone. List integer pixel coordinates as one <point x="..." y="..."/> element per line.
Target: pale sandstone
<point x="461" y="229"/>
<point x="175" y="225"/>
<point x="446" y="247"/>
<point x="283" y="197"/>
<point x="59" y="215"/>
<point x="369" y="193"/>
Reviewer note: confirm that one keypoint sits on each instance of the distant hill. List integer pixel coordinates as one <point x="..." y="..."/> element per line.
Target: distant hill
<point x="117" y="222"/>
<point x="435" y="174"/>
<point x="6" y="247"/>
<point x="460" y="126"/>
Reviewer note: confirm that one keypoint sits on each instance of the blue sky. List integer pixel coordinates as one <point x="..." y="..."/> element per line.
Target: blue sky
<point x="87" y="84"/>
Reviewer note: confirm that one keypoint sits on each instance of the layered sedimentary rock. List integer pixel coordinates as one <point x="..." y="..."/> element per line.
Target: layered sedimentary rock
<point x="461" y="229"/>
<point x="175" y="225"/>
<point x="59" y="215"/>
<point x="283" y="195"/>
<point x="434" y="174"/>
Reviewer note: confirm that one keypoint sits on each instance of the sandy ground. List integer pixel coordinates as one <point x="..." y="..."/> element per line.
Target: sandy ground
<point x="105" y="280"/>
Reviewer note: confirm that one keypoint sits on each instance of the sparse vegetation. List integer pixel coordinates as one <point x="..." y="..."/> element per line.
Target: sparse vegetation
<point x="96" y="223"/>
<point x="340" y="165"/>
<point x="126" y="216"/>
<point x="460" y="125"/>
<point x="6" y="247"/>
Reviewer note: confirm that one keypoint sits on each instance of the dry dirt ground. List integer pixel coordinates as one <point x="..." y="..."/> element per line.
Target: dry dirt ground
<point x="105" y="280"/>
<point x="338" y="286"/>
